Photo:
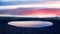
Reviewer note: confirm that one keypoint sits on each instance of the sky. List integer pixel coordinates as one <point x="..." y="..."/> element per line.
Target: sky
<point x="27" y="11"/>
<point x="12" y="2"/>
<point x="32" y="11"/>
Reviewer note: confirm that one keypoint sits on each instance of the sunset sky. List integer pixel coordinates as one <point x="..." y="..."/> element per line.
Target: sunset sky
<point x="32" y="11"/>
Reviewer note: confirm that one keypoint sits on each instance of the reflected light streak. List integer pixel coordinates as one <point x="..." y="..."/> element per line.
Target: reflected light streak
<point x="30" y="24"/>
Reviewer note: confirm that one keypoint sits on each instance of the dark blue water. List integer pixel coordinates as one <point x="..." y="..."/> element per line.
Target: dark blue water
<point x="8" y="29"/>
